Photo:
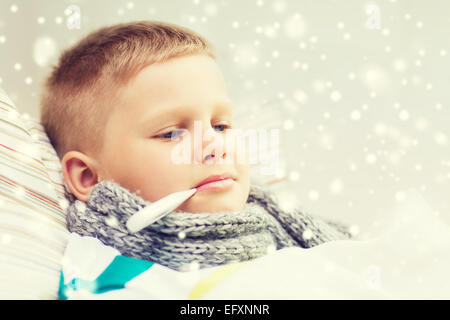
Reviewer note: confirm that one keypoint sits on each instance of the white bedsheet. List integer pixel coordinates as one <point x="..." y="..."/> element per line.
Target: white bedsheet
<point x="408" y="259"/>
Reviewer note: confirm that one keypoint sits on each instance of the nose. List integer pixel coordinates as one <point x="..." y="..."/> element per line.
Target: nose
<point x="212" y="156"/>
<point x="212" y="146"/>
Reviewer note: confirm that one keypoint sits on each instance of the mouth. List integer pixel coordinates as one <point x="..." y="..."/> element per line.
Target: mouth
<point x="216" y="182"/>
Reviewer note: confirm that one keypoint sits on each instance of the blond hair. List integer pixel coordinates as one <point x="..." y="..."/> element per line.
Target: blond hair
<point x="88" y="77"/>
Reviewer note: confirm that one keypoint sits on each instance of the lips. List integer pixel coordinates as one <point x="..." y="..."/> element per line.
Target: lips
<point x="216" y="178"/>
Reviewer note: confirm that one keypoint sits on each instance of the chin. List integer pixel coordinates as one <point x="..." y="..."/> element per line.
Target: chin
<point x="213" y="202"/>
<point x="210" y="207"/>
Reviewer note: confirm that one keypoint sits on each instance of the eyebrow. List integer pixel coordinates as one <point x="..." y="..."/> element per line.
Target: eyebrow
<point x="167" y="113"/>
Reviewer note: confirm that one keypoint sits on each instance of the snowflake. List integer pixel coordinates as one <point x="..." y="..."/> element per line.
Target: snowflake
<point x="313" y="195"/>
<point x="335" y="96"/>
<point x="307" y="234"/>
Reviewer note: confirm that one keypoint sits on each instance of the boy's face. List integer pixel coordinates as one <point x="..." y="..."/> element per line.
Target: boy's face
<point x="138" y="150"/>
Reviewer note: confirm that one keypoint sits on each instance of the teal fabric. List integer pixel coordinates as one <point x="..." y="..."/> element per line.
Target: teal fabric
<point x="121" y="270"/>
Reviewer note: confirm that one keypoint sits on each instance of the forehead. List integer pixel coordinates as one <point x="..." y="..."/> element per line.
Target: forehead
<point x="182" y="77"/>
<point x="161" y="113"/>
<point x="179" y="84"/>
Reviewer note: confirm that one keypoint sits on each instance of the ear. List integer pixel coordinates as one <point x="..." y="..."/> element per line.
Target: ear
<point x="80" y="173"/>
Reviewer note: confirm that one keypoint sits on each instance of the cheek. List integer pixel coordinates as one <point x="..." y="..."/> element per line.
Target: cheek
<point x="153" y="163"/>
<point x="244" y="176"/>
<point x="243" y="169"/>
<point x="242" y="164"/>
<point x="156" y="174"/>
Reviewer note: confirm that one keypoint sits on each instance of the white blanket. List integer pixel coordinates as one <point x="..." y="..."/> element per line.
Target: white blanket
<point x="408" y="259"/>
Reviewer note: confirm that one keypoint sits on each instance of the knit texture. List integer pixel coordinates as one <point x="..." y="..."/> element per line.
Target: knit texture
<point x="181" y="240"/>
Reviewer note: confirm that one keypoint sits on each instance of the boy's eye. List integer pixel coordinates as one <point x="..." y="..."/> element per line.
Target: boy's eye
<point x="171" y="134"/>
<point x="179" y="132"/>
<point x="225" y="126"/>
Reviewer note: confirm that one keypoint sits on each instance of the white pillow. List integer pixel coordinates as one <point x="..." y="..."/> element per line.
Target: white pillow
<point x="33" y="232"/>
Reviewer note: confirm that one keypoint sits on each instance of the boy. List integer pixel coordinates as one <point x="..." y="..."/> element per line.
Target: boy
<point x="111" y="108"/>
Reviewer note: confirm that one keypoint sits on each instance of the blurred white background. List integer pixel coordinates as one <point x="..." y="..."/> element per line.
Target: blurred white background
<point x="358" y="89"/>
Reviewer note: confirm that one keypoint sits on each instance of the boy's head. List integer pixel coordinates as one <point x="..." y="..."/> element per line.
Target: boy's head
<point x="110" y="105"/>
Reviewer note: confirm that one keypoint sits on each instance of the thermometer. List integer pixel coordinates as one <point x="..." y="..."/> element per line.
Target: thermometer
<point x="157" y="210"/>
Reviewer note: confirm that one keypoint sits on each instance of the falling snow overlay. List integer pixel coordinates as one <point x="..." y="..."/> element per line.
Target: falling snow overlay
<point x="359" y="90"/>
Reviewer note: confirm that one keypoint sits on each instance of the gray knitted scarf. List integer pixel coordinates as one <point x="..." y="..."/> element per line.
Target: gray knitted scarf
<point x="182" y="239"/>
